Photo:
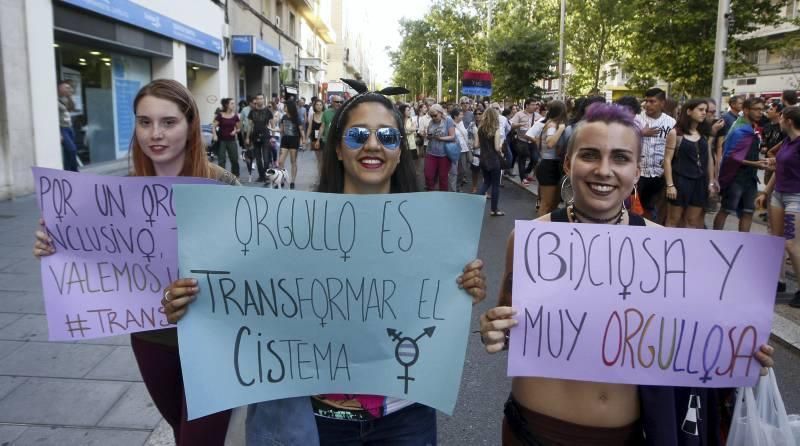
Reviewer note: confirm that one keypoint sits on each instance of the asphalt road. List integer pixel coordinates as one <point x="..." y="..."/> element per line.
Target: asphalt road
<point x="484" y="385"/>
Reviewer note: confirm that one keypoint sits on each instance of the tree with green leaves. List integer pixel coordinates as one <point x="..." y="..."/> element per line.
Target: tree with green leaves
<point x="673" y="40"/>
<point x="518" y="59"/>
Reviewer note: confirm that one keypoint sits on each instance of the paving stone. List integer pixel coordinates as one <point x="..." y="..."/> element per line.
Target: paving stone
<point x="67" y="402"/>
<point x="120" y="340"/>
<point x="9" y="383"/>
<point x="29" y="282"/>
<point x="134" y="410"/>
<point x="26" y="302"/>
<point x="119" y="365"/>
<point x="53" y="359"/>
<point x="9" y="433"/>
<point x="63" y="436"/>
<point x="31" y="327"/>
<point x="8" y="318"/>
<point x="6" y="347"/>
<point x="26" y="265"/>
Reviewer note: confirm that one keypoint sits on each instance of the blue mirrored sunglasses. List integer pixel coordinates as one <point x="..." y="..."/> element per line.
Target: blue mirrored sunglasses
<point x="356" y="137"/>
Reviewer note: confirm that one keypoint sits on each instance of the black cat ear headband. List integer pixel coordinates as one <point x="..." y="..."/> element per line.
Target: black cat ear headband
<point x="361" y="88"/>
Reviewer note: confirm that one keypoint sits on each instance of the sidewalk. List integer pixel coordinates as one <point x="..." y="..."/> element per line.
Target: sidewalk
<point x="62" y="393"/>
<point x="786" y="325"/>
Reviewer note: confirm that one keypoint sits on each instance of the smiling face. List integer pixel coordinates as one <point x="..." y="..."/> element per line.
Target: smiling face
<point x="368" y="169"/>
<point x="603" y="167"/>
<point x="161" y="132"/>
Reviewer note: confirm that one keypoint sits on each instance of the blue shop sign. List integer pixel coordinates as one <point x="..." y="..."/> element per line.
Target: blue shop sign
<point x="250" y="45"/>
<point x="128" y="12"/>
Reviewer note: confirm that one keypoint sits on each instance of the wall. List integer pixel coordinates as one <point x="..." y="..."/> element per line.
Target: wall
<point x="24" y="63"/>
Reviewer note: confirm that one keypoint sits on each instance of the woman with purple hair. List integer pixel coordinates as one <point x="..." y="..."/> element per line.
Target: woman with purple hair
<point x="602" y="164"/>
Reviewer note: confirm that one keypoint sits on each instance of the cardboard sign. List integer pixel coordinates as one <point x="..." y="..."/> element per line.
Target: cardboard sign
<point x="637" y="305"/>
<point x="116" y="251"/>
<point x="306" y="293"/>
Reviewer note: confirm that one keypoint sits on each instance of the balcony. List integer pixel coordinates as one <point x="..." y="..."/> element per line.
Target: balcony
<point x="321" y="25"/>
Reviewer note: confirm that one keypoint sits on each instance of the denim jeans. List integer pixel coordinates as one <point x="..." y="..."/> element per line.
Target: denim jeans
<point x="414" y="425"/>
<point x="491" y="178"/>
<point x="288" y="421"/>
<point x="69" y="152"/>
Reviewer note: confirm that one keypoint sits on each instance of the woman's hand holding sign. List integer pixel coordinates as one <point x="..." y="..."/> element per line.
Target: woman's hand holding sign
<point x="178" y="295"/>
<point x="473" y="281"/>
<point x="42" y="246"/>
<point x="495" y="324"/>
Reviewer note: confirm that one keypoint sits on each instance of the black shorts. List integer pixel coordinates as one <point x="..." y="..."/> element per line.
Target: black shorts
<point x="650" y="190"/>
<point x="691" y="192"/>
<point x="549" y="172"/>
<point x="290" y="142"/>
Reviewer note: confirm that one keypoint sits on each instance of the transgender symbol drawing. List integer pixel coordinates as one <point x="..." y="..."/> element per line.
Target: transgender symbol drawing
<point x="407" y="351"/>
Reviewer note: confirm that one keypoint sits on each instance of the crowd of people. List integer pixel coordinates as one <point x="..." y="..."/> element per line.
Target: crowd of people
<point x="602" y="160"/>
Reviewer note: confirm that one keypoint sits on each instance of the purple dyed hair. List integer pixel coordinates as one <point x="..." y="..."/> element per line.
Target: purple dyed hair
<point x="608" y="114"/>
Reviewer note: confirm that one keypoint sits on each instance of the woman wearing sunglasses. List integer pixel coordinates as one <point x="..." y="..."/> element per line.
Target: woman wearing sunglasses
<point x="365" y="153"/>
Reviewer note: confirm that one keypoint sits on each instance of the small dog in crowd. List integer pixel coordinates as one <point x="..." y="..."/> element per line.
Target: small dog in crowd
<point x="276" y="178"/>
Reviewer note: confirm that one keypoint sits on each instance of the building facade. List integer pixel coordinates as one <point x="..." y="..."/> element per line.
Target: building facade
<point x="278" y="46"/>
<point x="109" y="49"/>
<point x="348" y="55"/>
<point x="778" y="70"/>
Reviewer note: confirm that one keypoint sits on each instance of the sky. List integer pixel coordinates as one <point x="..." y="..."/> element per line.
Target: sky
<point x="383" y="30"/>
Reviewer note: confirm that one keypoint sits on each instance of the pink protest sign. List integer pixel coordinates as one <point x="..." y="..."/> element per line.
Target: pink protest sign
<point x="637" y="305"/>
<point x="116" y="250"/>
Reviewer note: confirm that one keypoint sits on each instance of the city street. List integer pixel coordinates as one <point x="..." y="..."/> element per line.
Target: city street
<point x="91" y="392"/>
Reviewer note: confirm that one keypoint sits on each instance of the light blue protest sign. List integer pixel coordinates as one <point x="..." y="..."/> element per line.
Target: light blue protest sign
<point x="306" y="293"/>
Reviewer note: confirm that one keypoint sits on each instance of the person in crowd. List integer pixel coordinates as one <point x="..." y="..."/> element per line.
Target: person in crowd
<point x="458" y="171"/>
<point x="631" y="103"/>
<point x="69" y="151"/>
<point x="508" y="140"/>
<point x="789" y="98"/>
<point x="475" y="159"/>
<point x="734" y="109"/>
<point x="423" y="120"/>
<point x="604" y="150"/>
<point x="689" y="167"/>
<point x="656" y="126"/>
<point x="784" y="189"/>
<point x="258" y="135"/>
<point x="525" y="151"/>
<point x="302" y="114"/>
<point x="365" y="126"/>
<point x="549" y="137"/>
<point x="228" y="124"/>
<point x="167" y="142"/>
<point x="291" y="140"/>
<point x="410" y="125"/>
<point x="772" y="134"/>
<point x="275" y="131"/>
<point x="313" y="133"/>
<point x="440" y="131"/>
<point x="491" y="153"/>
<point x="327" y="116"/>
<point x="247" y="149"/>
<point x="738" y="180"/>
<point x="468" y="115"/>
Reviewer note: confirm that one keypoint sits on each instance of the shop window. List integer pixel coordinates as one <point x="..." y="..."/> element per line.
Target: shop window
<point x="105" y="85"/>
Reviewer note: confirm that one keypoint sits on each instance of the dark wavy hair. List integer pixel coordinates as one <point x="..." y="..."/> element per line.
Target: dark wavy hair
<point x="291" y="108"/>
<point x="404" y="178"/>
<point x="683" y="125"/>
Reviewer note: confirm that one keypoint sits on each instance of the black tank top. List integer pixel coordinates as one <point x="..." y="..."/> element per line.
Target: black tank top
<point x="560" y="216"/>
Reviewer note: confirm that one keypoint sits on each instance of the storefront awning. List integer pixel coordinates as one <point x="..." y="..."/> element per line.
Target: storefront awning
<point x="252" y="46"/>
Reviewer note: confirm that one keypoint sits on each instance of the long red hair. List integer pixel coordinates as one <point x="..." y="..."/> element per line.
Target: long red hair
<point x="195" y="163"/>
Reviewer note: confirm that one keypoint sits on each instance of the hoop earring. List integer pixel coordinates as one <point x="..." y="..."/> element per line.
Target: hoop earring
<point x="567" y="194"/>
